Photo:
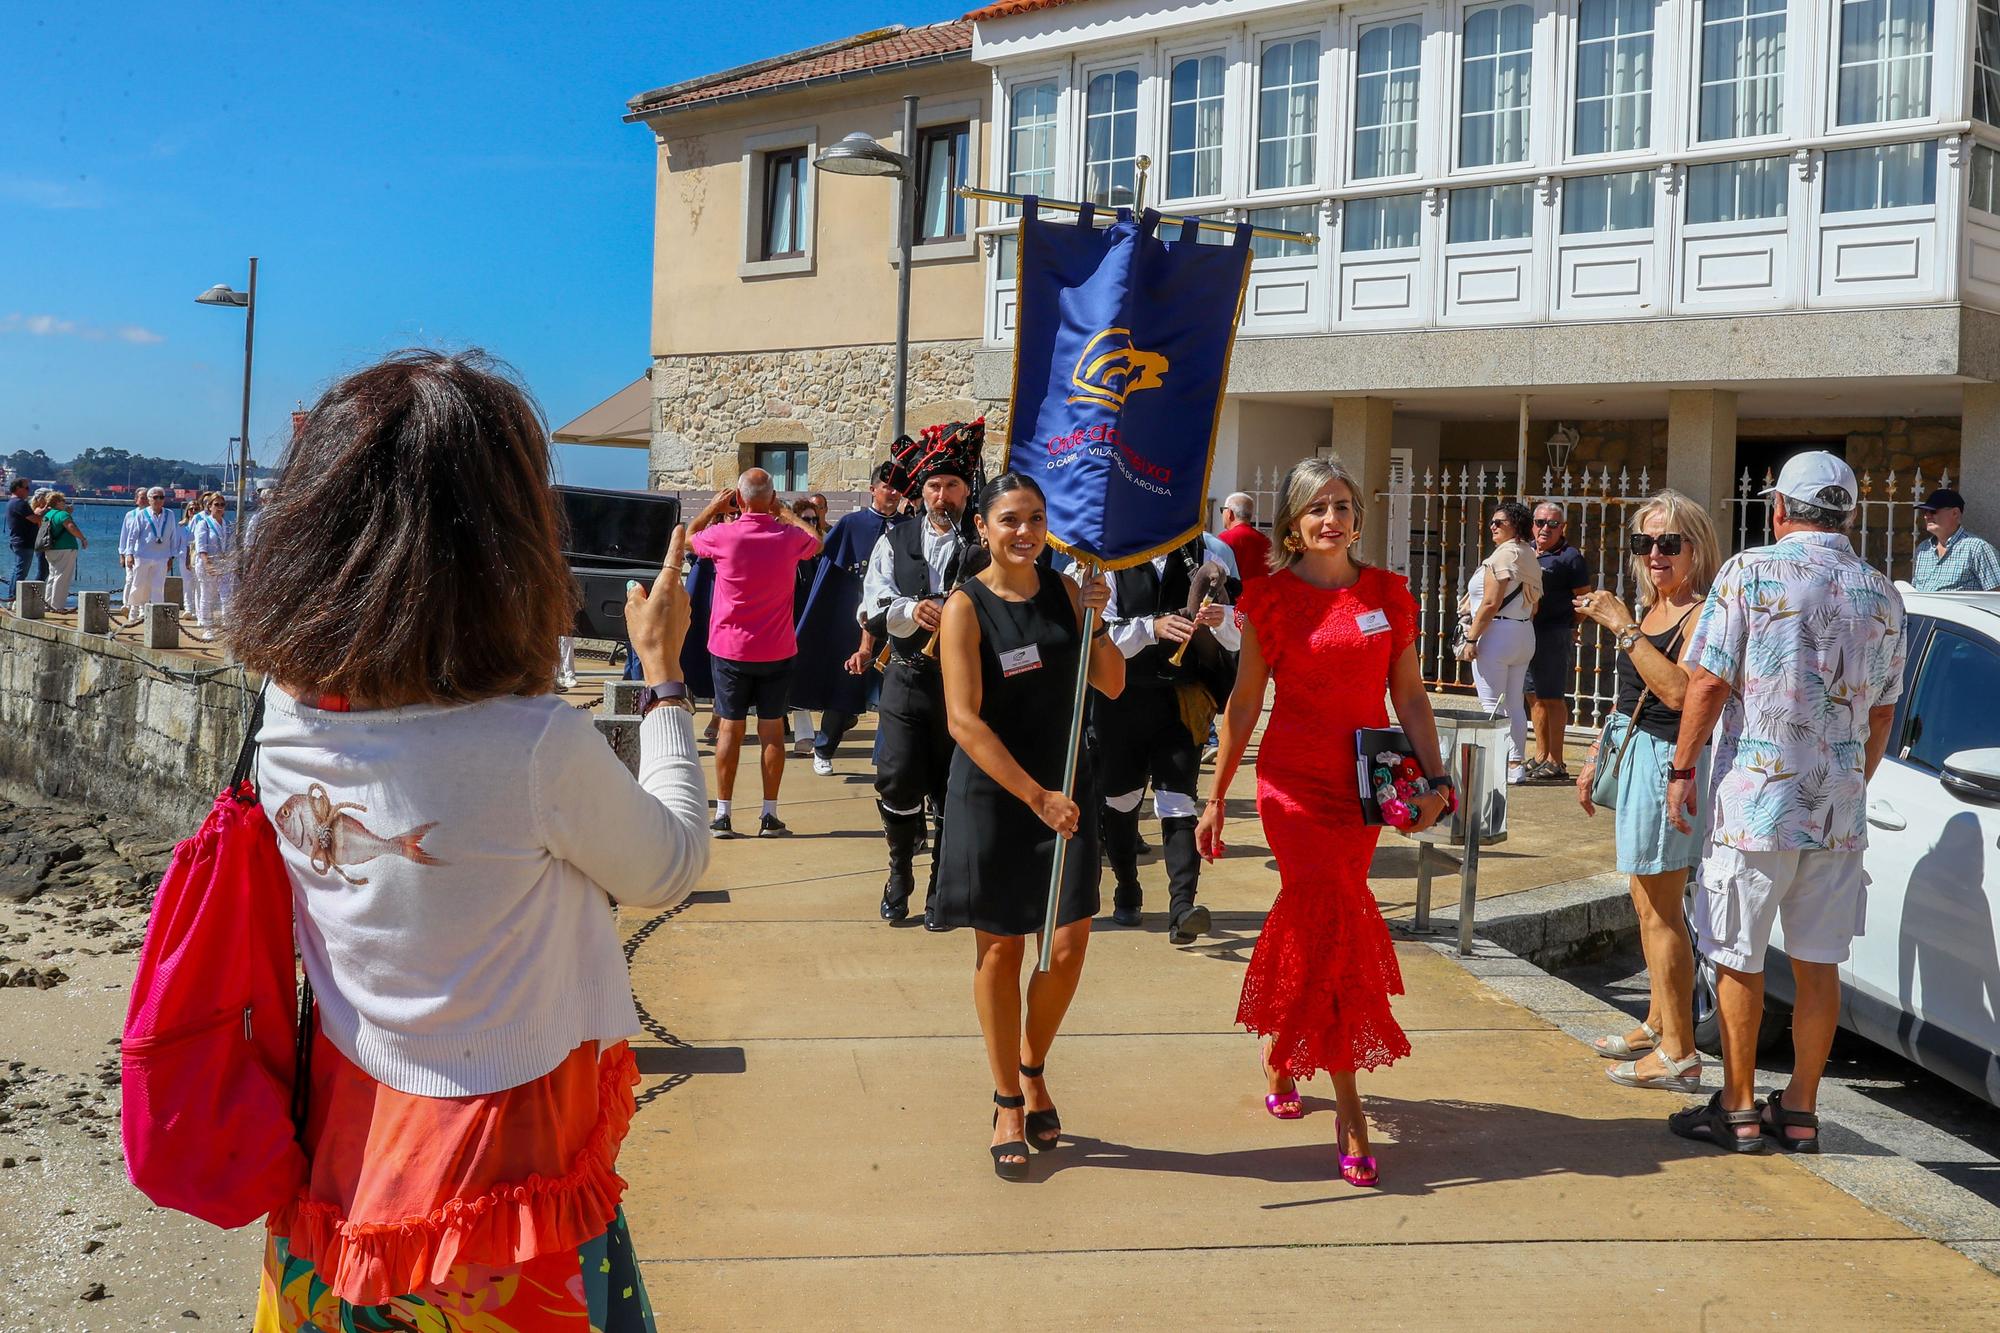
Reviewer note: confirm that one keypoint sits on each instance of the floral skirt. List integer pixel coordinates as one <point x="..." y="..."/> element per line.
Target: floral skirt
<point x="595" y="1288"/>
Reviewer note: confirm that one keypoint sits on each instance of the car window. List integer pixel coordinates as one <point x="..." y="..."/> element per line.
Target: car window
<point x="1951" y="708"/>
<point x="1916" y="631"/>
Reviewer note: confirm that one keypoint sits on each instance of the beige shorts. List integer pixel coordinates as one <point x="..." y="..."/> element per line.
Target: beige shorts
<point x="1822" y="897"/>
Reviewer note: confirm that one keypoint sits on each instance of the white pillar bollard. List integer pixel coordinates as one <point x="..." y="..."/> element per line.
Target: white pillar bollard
<point x="31" y="599"/>
<point x="163" y="625"/>
<point x="93" y="612"/>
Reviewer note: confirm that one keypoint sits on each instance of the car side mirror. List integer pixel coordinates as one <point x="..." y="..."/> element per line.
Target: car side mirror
<point x="1973" y="775"/>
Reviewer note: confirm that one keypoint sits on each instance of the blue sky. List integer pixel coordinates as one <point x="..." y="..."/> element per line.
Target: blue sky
<point x="442" y="174"/>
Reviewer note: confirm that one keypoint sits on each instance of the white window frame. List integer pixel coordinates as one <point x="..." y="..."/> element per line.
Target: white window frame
<point x="1561" y="210"/>
<point x="929" y="117"/>
<point x="1823" y="175"/>
<point x="1688" y="226"/>
<point x="1538" y="61"/>
<point x="1339" y="242"/>
<point x="1426" y="77"/>
<point x="1310" y="258"/>
<point x="1139" y="65"/>
<point x="1943" y="50"/>
<point x="756" y="148"/>
<point x="1253" y="100"/>
<point x="1976" y="6"/>
<point x="1794" y="86"/>
<point x="1572" y="100"/>
<point x="1159" y="177"/>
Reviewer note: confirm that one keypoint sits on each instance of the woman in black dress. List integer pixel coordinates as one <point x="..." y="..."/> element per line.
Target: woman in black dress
<point x="1008" y="647"/>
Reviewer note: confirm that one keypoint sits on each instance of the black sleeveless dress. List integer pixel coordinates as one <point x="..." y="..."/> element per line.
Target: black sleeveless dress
<point x="993" y="870"/>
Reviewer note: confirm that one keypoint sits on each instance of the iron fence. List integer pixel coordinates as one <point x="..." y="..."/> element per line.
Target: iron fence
<point x="1879" y="538"/>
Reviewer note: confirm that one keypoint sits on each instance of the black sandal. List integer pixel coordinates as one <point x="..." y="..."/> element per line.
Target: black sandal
<point x="1002" y="1168"/>
<point x="1709" y="1123"/>
<point x="1044" y="1127"/>
<point x="1783" y="1118"/>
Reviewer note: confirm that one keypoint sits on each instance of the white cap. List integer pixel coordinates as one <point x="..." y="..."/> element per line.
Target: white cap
<point x="1816" y="478"/>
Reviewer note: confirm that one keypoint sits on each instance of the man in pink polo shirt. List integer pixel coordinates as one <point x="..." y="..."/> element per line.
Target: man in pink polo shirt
<point x="756" y="543"/>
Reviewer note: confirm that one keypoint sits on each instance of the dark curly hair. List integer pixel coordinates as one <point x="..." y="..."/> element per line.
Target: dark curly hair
<point x="413" y="550"/>
<point x="1517" y="514"/>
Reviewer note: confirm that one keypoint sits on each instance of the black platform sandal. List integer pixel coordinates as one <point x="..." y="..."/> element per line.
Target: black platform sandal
<point x="1709" y="1123"/>
<point x="1003" y="1168"/>
<point x="1044" y="1127"/>
<point x="1782" y="1118"/>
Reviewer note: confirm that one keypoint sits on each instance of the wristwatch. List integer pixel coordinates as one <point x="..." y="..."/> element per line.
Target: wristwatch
<point x="1680" y="774"/>
<point x="673" y="693"/>
<point x="1629" y="636"/>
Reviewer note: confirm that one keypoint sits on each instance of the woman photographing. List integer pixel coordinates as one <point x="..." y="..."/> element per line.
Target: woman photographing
<point x="1674" y="558"/>
<point x="1336" y="636"/>
<point x="1008" y="646"/>
<point x="456" y="839"/>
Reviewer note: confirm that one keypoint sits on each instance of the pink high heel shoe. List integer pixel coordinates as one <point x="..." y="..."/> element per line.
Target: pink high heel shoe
<point x="1360" y="1172"/>
<point x="1281" y="1106"/>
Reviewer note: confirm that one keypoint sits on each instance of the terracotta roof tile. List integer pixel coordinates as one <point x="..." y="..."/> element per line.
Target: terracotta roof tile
<point x="1006" y="8"/>
<point x="870" y="51"/>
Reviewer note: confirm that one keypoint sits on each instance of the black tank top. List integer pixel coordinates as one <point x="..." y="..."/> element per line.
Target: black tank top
<point x="1027" y="667"/>
<point x="1655" y="719"/>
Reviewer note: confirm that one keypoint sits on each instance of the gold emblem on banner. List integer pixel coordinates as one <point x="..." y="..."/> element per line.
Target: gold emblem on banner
<point x="1111" y="369"/>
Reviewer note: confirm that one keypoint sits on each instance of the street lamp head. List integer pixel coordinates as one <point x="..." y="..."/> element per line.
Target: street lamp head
<point x="222" y="294"/>
<point x="859" y="155"/>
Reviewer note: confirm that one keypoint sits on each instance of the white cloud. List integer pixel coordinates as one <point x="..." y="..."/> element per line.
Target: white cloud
<point x="52" y="326"/>
<point x="39" y="193"/>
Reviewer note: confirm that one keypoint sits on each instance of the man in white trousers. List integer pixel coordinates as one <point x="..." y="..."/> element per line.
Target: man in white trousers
<point x="128" y="533"/>
<point x="159" y="538"/>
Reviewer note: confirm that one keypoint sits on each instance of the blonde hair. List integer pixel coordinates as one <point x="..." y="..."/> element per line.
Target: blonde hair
<point x="1308" y="477"/>
<point x="1691" y="521"/>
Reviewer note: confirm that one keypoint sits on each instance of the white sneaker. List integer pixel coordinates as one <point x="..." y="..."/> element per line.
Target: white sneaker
<point x="566" y="681"/>
<point x="802" y="745"/>
<point x="822" y="765"/>
<point x="1516" y="774"/>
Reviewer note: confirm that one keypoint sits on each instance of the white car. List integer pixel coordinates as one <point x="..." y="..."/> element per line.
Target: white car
<point x="1924" y="977"/>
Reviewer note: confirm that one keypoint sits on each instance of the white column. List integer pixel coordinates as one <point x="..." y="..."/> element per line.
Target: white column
<point x="1977" y="476"/>
<point x="1363" y="432"/>
<point x="1701" y="450"/>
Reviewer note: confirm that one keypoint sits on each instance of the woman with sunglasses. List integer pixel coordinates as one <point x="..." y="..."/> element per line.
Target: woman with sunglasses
<point x="1500" y="602"/>
<point x="1674" y="557"/>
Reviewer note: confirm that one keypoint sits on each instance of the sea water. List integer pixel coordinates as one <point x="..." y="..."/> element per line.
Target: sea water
<point x="97" y="567"/>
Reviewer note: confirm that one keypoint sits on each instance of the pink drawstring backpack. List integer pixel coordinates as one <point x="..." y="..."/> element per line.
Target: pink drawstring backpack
<point x="215" y="1072"/>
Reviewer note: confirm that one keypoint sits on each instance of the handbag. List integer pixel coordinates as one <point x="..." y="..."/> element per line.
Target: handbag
<point x="1604" y="786"/>
<point x="216" y="1046"/>
<point x="45" y="536"/>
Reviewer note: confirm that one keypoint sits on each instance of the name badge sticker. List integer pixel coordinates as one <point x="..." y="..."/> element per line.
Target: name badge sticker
<point x="1028" y="658"/>
<point x="1373" y="622"/>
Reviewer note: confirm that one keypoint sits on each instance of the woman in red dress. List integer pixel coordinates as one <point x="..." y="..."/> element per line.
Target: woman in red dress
<point x="1336" y="635"/>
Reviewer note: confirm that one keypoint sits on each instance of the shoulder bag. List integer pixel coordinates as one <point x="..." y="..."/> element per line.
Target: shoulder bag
<point x="1604" y="786"/>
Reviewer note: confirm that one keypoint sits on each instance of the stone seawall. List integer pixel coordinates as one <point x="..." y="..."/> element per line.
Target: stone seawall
<point x="116" y="727"/>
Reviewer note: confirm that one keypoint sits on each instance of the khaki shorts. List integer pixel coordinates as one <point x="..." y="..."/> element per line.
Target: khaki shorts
<point x="1822" y="897"/>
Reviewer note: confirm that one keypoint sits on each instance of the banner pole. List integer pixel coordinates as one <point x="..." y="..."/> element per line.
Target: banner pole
<point x="1043" y="963"/>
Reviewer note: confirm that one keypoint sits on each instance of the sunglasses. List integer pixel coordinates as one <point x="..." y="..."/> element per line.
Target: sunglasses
<point x="1497" y="523"/>
<point x="1670" y="543"/>
<point x="1548" y="522"/>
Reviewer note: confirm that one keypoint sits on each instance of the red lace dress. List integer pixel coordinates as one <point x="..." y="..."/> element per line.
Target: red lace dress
<point x="1324" y="968"/>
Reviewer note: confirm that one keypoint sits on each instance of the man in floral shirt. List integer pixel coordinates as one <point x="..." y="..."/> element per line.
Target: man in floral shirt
<point x="1799" y="652"/>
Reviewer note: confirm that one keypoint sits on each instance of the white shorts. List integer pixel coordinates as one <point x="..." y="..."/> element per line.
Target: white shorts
<point x="1822" y="897"/>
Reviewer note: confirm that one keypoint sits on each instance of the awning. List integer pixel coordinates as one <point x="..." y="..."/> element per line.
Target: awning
<point x="622" y="421"/>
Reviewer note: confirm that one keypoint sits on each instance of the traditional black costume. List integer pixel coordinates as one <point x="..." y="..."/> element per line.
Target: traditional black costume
<point x="913" y="562"/>
<point x="829" y="630"/>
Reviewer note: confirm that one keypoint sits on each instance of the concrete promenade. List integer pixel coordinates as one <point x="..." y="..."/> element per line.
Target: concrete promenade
<point x="811" y="1148"/>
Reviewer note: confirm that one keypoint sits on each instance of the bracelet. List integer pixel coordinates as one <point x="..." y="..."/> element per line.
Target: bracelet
<point x="1628" y="636"/>
<point x="1217" y="800"/>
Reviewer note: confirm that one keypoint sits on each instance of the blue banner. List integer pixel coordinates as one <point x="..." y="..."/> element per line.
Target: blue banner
<point x="1121" y="346"/>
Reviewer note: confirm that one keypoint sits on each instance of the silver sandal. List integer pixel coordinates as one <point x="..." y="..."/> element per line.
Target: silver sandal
<point x="1617" y="1048"/>
<point x="1681" y="1076"/>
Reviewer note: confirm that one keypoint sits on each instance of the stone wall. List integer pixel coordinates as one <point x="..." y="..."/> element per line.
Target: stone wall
<point x="115" y="727"/>
<point x="711" y="412"/>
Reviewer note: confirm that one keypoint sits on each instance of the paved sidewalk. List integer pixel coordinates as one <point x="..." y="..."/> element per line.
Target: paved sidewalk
<point x="811" y="1148"/>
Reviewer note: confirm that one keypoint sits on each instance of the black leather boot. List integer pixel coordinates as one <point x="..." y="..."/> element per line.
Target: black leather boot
<point x="902" y="832"/>
<point x="1186" y="919"/>
<point x="1121" y="838"/>
<point x="931" y="921"/>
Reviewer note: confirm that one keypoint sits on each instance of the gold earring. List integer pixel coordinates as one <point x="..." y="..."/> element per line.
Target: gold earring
<point x="1293" y="542"/>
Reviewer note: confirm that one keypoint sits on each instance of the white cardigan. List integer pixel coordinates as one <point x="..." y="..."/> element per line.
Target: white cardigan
<point x="450" y="868"/>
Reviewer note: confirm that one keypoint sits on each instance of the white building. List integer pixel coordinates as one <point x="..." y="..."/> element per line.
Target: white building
<point x="1708" y="232"/>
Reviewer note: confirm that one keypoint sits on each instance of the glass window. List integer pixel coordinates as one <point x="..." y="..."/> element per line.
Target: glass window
<point x="1296" y="217"/>
<point x="1984" y="190"/>
<point x="1389" y="73"/>
<point x="1007" y="258"/>
<point x="1031" y="139"/>
<point x="785" y="462"/>
<point x="1986" y="62"/>
<point x="941" y="166"/>
<point x="1951" y="708"/>
<point x="1742" y="69"/>
<point x="1614" y="75"/>
<point x="1496" y="73"/>
<point x="1194" y="127"/>
<point x="784" y="204"/>
<point x="1737" y="191"/>
<point x="1885" y="61"/>
<point x="1288" y="113"/>
<point x="1902" y="175"/>
<point x="1492" y="213"/>
<point x="1111" y="137"/>
<point x="1383" y="224"/>
<point x="1622" y="201"/>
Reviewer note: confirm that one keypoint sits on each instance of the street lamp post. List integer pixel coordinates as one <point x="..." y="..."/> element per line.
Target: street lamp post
<point x="859" y="155"/>
<point x="222" y="294"/>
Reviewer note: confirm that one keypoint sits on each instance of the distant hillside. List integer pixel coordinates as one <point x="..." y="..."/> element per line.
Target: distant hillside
<point x="100" y="469"/>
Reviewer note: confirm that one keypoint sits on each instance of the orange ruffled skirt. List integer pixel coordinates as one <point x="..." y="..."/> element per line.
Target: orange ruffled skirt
<point x="412" y="1194"/>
